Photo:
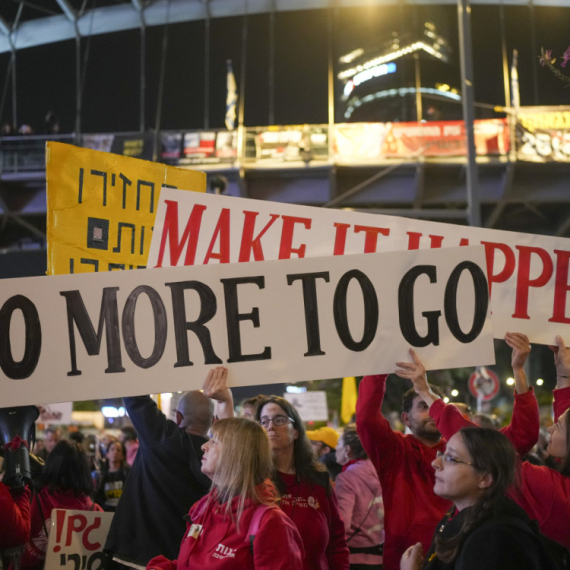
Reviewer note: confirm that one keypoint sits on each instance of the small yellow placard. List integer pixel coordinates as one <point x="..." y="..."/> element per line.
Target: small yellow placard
<point x="101" y="207"/>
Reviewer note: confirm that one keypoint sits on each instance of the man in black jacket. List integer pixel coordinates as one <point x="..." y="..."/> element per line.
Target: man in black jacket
<point x="165" y="479"/>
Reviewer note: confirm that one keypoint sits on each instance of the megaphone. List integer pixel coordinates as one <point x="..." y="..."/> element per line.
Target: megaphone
<point x="17" y="430"/>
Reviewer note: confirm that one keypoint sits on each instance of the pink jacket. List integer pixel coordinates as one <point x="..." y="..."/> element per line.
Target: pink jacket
<point x="360" y="505"/>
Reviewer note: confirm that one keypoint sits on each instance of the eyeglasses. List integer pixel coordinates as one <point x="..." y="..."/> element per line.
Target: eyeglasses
<point x="278" y="421"/>
<point x="448" y="459"/>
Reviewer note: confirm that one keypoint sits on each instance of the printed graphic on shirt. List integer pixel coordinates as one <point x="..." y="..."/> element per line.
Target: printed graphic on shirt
<point x="195" y="531"/>
<point x="223" y="552"/>
<point x="301" y="502"/>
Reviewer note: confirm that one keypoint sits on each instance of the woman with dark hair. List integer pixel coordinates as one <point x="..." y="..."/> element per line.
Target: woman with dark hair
<point x="65" y="483"/>
<point x="238" y="524"/>
<point x="360" y="502"/>
<point x="305" y="486"/>
<point x="109" y="482"/>
<point x="544" y="493"/>
<point x="484" y="528"/>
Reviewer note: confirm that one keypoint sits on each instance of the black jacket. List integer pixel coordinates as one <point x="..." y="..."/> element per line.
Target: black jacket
<point x="164" y="482"/>
<point x="507" y="540"/>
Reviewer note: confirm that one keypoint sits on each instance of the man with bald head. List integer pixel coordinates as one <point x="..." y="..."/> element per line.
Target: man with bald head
<point x="166" y="478"/>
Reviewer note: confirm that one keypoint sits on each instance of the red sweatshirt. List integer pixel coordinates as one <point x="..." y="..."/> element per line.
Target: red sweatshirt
<point x="412" y="510"/>
<point x="212" y="541"/>
<point x="544" y="493"/>
<point x="317" y="517"/>
<point x="14" y="517"/>
<point x="522" y="432"/>
<point x="43" y="503"/>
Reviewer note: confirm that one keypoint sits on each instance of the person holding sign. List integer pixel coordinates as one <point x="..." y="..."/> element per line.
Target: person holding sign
<point x="544" y="493"/>
<point x="403" y="462"/>
<point x="238" y="524"/>
<point x="65" y="483"/>
<point x="165" y="479"/>
<point x="308" y="497"/>
<point x="484" y="528"/>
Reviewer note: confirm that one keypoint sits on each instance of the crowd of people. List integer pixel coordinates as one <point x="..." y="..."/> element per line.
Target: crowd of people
<point x="210" y="490"/>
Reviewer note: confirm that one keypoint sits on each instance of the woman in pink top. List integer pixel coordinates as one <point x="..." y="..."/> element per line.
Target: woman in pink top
<point x="360" y="502"/>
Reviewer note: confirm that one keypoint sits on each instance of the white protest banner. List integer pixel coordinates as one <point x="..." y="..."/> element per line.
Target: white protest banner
<point x="111" y="334"/>
<point x="76" y="539"/>
<point x="55" y="413"/>
<point x="527" y="274"/>
<point x="312" y="406"/>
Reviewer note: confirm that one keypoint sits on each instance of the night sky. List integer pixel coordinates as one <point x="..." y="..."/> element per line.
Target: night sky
<point x="46" y="74"/>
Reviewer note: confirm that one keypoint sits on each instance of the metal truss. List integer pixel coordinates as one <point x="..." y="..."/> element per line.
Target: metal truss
<point x="132" y="15"/>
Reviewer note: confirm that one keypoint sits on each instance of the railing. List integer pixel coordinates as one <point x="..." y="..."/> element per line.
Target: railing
<point x="26" y="153"/>
<point x="541" y="136"/>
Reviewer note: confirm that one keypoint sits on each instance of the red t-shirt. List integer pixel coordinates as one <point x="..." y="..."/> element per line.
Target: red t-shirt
<point x="317" y="517"/>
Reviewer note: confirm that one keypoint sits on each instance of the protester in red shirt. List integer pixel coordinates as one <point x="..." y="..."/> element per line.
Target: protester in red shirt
<point x="14" y="516"/>
<point x="238" y="524"/>
<point x="65" y="483"/>
<point x="403" y="462"/>
<point x="305" y="486"/>
<point x="544" y="493"/>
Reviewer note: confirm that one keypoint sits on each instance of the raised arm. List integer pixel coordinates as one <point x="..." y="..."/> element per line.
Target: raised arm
<point x="383" y="445"/>
<point x="525" y="422"/>
<point x="215" y="387"/>
<point x="416" y="372"/>
<point x="521" y="349"/>
<point x="523" y="430"/>
<point x="562" y="391"/>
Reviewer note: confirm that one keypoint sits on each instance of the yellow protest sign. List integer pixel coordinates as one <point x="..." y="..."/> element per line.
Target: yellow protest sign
<point x="101" y="207"/>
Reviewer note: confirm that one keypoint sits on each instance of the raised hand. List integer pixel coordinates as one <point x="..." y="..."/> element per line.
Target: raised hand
<point x="521" y="349"/>
<point x="215" y="387"/>
<point x="562" y="363"/>
<point x="414" y="371"/>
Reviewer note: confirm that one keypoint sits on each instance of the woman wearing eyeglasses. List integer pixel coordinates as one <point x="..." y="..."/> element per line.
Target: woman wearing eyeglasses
<point x="484" y="529"/>
<point x="238" y="524"/>
<point x="544" y="493"/>
<point x="305" y="486"/>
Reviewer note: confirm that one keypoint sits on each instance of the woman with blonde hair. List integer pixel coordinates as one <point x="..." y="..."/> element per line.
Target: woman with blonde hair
<point x="238" y="524"/>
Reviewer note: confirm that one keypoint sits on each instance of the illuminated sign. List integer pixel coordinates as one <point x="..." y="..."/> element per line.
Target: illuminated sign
<point x="377" y="71"/>
<point x="416" y="46"/>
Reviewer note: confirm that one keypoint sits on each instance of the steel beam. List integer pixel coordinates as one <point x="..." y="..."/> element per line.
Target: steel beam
<point x="124" y="16"/>
<point x="67" y="9"/>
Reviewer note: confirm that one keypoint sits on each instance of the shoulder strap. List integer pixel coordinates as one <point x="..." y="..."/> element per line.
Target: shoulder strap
<point x="256" y="522"/>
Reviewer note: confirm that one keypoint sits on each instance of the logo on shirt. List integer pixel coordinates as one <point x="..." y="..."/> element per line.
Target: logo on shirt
<point x="301" y="502"/>
<point x="313" y="502"/>
<point x="195" y="531"/>
<point x="224" y="552"/>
